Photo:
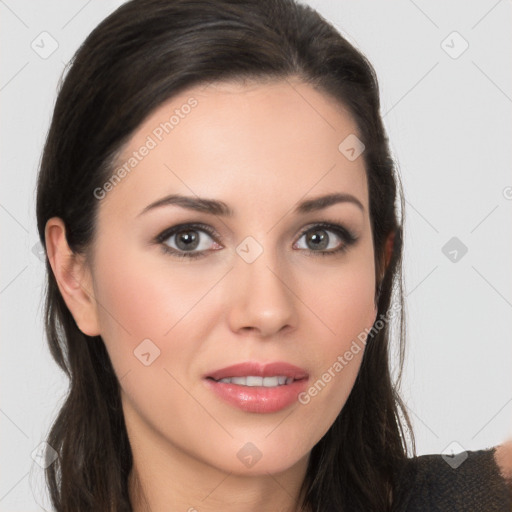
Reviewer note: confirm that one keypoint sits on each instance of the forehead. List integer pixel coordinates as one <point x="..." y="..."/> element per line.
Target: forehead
<point x="248" y="142"/>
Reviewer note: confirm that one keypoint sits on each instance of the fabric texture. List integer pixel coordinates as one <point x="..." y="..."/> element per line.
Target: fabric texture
<point x="437" y="483"/>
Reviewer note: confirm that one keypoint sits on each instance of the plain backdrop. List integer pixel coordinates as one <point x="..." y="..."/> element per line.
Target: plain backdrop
<point x="446" y="88"/>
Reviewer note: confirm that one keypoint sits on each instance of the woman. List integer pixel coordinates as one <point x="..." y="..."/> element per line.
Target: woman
<point x="217" y="202"/>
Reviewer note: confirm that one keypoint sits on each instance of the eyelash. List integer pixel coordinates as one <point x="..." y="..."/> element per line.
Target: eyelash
<point x="347" y="237"/>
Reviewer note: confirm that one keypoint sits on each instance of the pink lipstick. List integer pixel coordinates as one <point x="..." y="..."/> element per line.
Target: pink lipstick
<point x="258" y="387"/>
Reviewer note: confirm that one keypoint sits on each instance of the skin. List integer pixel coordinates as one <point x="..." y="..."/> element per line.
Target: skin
<point x="503" y="458"/>
<point x="261" y="148"/>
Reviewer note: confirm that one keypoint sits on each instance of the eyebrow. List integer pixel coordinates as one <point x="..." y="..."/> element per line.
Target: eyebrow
<point x="220" y="208"/>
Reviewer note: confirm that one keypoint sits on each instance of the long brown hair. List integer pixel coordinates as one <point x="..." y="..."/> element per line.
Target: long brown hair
<point x="137" y="58"/>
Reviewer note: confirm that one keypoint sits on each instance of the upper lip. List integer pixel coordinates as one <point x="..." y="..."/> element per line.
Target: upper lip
<point x="257" y="369"/>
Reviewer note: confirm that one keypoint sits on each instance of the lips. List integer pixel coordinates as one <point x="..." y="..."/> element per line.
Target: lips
<point x="257" y="387"/>
<point x="277" y="369"/>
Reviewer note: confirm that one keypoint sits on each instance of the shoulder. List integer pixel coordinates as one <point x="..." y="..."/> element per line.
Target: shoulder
<point x="474" y="481"/>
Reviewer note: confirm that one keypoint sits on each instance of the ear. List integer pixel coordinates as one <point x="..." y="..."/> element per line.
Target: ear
<point x="389" y="249"/>
<point x="388" y="254"/>
<point x="73" y="277"/>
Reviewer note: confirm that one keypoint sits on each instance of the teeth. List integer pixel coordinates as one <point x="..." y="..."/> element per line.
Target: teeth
<point x="251" y="380"/>
<point x="239" y="380"/>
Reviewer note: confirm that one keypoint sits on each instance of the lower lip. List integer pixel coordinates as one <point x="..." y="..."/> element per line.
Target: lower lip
<point x="258" y="398"/>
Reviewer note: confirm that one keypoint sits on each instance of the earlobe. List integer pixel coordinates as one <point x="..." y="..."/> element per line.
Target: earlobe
<point x="73" y="277"/>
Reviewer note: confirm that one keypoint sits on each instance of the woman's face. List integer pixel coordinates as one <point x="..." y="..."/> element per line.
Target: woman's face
<point x="250" y="288"/>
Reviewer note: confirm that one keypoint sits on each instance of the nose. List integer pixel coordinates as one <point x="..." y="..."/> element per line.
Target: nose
<point x="262" y="299"/>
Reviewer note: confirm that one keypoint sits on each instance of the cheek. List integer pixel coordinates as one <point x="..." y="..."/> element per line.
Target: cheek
<point x="149" y="323"/>
<point x="138" y="300"/>
<point x="347" y="312"/>
<point x="343" y="299"/>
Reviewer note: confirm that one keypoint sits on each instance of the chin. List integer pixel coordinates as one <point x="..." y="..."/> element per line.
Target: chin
<point x="260" y="456"/>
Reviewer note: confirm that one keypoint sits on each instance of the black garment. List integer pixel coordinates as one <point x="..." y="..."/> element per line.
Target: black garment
<point x="428" y="483"/>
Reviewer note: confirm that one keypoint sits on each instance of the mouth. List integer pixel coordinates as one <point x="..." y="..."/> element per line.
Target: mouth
<point x="254" y="380"/>
<point x="253" y="373"/>
<point x="258" y="387"/>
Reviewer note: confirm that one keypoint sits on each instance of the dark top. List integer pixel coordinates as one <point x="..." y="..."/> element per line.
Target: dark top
<point x="440" y="483"/>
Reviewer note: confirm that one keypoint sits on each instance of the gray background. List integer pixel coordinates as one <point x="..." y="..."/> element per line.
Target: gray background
<point x="449" y="124"/>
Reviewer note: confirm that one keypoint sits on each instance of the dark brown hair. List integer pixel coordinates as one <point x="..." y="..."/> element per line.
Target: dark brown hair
<point x="140" y="56"/>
